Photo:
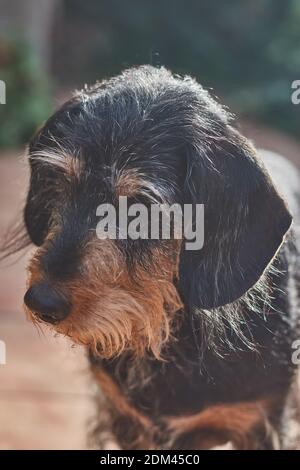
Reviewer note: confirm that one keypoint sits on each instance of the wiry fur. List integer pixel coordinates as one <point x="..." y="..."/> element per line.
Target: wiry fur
<point x="189" y="348"/>
<point x="141" y="304"/>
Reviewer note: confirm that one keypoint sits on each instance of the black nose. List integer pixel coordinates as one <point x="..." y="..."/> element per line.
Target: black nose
<point x="47" y="303"/>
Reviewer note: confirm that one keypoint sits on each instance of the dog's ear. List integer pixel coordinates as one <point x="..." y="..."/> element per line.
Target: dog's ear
<point x="37" y="210"/>
<point x="41" y="194"/>
<point x="245" y="223"/>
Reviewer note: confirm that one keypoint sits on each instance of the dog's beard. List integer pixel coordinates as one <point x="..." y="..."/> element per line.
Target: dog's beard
<point x="113" y="311"/>
<point x="118" y="320"/>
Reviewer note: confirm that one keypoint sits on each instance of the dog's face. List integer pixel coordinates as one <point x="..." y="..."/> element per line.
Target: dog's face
<point x="104" y="293"/>
<point x="154" y="139"/>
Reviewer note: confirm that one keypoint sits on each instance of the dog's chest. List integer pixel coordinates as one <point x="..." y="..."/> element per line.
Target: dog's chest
<point x="181" y="387"/>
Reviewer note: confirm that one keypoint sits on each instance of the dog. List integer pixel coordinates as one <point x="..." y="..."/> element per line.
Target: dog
<point x="189" y="349"/>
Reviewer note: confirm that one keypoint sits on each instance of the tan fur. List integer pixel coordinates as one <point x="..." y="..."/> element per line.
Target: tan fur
<point x="236" y="423"/>
<point x="70" y="165"/>
<point x="115" y="407"/>
<point x="113" y="309"/>
<point x="119" y="400"/>
<point x="219" y="424"/>
<point x="127" y="183"/>
<point x="132" y="182"/>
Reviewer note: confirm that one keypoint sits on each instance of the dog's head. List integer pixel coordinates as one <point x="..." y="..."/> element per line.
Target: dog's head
<point x="153" y="138"/>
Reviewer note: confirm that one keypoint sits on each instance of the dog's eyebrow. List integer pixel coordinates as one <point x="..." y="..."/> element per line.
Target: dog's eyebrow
<point x="132" y="182"/>
<point x="70" y="164"/>
<point x="127" y="182"/>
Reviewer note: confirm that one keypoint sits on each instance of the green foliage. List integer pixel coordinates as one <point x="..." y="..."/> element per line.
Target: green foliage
<point x="247" y="51"/>
<point x="27" y="94"/>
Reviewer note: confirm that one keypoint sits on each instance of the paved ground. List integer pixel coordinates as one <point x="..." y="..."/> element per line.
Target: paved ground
<point x="44" y="387"/>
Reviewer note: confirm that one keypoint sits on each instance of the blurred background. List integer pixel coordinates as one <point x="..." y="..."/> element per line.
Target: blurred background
<point x="247" y="53"/>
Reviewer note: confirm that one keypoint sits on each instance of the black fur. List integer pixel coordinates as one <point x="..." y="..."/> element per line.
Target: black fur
<point x="239" y="322"/>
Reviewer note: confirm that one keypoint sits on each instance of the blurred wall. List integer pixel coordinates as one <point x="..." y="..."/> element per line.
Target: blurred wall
<point x="33" y="20"/>
<point x="247" y="53"/>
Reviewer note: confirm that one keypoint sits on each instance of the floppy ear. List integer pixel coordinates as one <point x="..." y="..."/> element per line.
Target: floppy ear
<point x="41" y="193"/>
<point x="245" y="223"/>
<point x="37" y="209"/>
<point x="40" y="197"/>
